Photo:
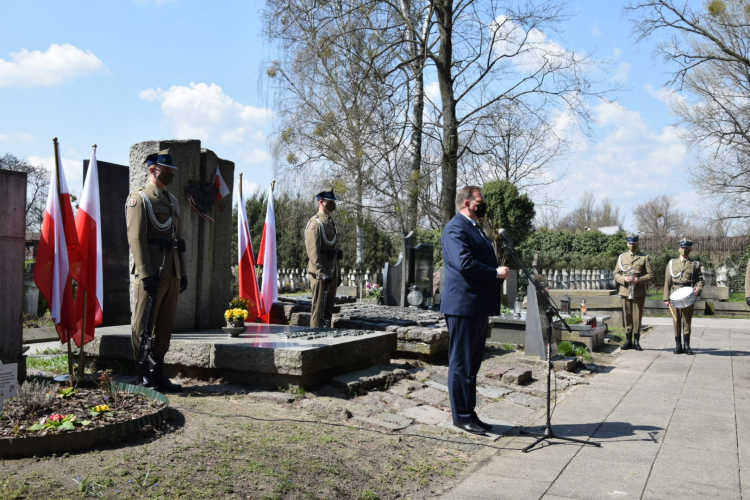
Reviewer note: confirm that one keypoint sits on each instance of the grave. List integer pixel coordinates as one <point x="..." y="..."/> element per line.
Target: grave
<point x="421" y="332"/>
<point x="507" y="329"/>
<point x="414" y="267"/>
<point x="265" y="356"/>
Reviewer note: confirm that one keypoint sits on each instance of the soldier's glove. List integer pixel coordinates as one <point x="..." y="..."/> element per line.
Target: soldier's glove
<point x="327" y="279"/>
<point x="747" y="300"/>
<point x="151" y="285"/>
<point x="183" y="283"/>
<point x="339" y="254"/>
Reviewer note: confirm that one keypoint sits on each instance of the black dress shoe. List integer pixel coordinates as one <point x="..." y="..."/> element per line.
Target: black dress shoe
<point x="483" y="425"/>
<point x="471" y="427"/>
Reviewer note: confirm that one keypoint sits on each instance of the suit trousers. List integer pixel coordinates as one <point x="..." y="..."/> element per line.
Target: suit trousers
<point x="685" y="317"/>
<point x="468" y="335"/>
<point x="163" y="316"/>
<point x="318" y="291"/>
<point x="632" y="313"/>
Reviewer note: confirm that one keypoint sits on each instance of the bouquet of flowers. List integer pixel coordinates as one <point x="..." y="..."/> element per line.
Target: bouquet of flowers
<point x="374" y="290"/>
<point x="235" y="315"/>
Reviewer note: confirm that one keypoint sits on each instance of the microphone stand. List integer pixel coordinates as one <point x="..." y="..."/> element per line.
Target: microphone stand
<point x="551" y="311"/>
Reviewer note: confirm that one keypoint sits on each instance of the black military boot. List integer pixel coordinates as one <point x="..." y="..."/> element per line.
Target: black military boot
<point x="637" y="342"/>
<point x="162" y="380"/>
<point x="686" y="348"/>
<point x="628" y="342"/>
<point x="145" y="377"/>
<point x="678" y="346"/>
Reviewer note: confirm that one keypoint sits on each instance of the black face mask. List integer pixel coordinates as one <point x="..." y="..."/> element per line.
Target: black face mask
<point x="331" y="206"/>
<point x="165" y="177"/>
<point x="481" y="210"/>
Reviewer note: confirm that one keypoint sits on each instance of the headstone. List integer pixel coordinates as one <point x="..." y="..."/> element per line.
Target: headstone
<point x="423" y="268"/>
<point x="511" y="288"/>
<point x="393" y="282"/>
<point x="208" y="252"/>
<point x="113" y="194"/>
<point x="12" y="249"/>
<point x="8" y="382"/>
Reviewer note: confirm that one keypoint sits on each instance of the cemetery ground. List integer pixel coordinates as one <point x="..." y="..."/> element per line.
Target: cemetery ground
<point x="229" y="441"/>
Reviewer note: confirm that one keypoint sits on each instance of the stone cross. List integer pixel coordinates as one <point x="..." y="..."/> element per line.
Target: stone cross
<point x="8" y="382"/>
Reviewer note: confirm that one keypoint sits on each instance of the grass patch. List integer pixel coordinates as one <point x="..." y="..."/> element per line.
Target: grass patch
<point x="566" y="348"/>
<point x="55" y="364"/>
<point x="508" y="346"/>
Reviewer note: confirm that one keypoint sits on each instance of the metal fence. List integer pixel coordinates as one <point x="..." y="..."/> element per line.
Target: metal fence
<point x="724" y="245"/>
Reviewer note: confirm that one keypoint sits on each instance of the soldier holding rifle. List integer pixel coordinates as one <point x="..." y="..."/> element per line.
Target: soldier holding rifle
<point x="633" y="272"/>
<point x="321" y="238"/>
<point x="153" y="221"/>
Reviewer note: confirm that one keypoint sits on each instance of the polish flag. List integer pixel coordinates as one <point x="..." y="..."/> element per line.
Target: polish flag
<point x="221" y="186"/>
<point x="270" y="290"/>
<point x="89" y="273"/>
<point x="58" y="251"/>
<point x="248" y="280"/>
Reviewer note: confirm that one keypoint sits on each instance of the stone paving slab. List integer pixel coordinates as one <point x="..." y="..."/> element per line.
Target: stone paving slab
<point x="664" y="432"/>
<point x="493" y="392"/>
<point x="426" y="415"/>
<point x="504" y="410"/>
<point x="430" y="395"/>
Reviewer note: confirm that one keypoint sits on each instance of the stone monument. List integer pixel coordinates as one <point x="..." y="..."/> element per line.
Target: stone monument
<point x="414" y="267"/>
<point x="208" y="258"/>
<point x="12" y="248"/>
<point x="113" y="194"/>
<point x="536" y="326"/>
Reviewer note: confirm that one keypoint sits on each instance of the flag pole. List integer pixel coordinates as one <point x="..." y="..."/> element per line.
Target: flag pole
<point x="59" y="203"/>
<point x="240" y="186"/>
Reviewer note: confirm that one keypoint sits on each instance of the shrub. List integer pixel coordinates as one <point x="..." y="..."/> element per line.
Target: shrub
<point x="36" y="395"/>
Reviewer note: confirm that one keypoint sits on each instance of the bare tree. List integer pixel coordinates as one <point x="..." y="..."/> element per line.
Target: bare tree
<point x="587" y="216"/>
<point x="37" y="186"/>
<point x="709" y="50"/>
<point x="659" y="216"/>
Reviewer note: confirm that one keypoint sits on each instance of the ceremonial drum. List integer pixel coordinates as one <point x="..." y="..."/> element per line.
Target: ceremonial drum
<point x="683" y="297"/>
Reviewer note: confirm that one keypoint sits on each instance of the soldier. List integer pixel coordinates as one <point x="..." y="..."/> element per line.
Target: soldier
<point x="153" y="219"/>
<point x="320" y="239"/>
<point x="747" y="284"/>
<point x="633" y="273"/>
<point x="682" y="272"/>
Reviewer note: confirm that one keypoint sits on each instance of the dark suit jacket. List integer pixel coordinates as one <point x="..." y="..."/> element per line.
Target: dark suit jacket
<point x="471" y="286"/>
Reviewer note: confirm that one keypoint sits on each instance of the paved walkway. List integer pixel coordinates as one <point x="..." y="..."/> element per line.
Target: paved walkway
<point x="671" y="427"/>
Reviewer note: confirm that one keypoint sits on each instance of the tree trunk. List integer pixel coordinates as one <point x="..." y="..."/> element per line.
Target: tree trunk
<point x="444" y="14"/>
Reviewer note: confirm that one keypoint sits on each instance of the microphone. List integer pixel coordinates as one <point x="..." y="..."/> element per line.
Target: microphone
<point x="504" y="235"/>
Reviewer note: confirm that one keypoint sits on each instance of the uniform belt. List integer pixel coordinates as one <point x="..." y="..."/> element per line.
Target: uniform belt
<point x="168" y="244"/>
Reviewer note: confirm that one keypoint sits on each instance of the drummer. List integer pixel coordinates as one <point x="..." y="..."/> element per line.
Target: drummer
<point x="680" y="273"/>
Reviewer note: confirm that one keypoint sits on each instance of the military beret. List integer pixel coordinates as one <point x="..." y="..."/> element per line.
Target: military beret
<point x="162" y="158"/>
<point x="686" y="243"/>
<point x="632" y="238"/>
<point x="326" y="195"/>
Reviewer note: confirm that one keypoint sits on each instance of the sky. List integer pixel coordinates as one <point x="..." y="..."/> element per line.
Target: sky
<point x="120" y="72"/>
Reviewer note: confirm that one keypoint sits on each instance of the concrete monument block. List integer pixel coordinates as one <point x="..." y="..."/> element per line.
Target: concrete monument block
<point x="12" y="248"/>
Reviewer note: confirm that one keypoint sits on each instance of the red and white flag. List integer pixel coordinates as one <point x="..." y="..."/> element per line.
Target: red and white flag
<point x="89" y="273"/>
<point x="248" y="279"/>
<point x="220" y="185"/>
<point x="270" y="288"/>
<point x="58" y="250"/>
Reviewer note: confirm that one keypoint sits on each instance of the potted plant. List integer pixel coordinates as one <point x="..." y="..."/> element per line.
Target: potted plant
<point x="375" y="291"/>
<point x="236" y="316"/>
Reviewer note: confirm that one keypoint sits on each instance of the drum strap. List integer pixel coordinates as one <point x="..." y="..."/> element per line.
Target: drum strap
<point x="694" y="264"/>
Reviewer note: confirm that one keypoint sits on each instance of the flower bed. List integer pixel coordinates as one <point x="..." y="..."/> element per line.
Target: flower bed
<point x="79" y="419"/>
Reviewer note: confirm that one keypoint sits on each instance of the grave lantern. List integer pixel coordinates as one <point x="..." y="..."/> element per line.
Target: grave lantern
<point x="517" y="307"/>
<point x="565" y="305"/>
<point x="415" y="297"/>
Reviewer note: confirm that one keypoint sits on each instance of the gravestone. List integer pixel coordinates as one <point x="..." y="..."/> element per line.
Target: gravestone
<point x="511" y="288"/>
<point x="12" y="249"/>
<point x="208" y="250"/>
<point x="414" y="266"/>
<point x="113" y="195"/>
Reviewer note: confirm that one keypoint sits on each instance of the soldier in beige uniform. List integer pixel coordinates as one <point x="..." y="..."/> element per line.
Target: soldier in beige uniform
<point x="633" y="272"/>
<point x="323" y="266"/>
<point x="680" y="273"/>
<point x="153" y="221"/>
<point x="747" y="284"/>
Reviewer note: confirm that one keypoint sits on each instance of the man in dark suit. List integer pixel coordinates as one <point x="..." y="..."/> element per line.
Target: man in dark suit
<point x="471" y="294"/>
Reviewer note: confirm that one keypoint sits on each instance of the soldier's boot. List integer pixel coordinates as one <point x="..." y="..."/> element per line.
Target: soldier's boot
<point x="686" y="346"/>
<point x="162" y="380"/>
<point x="637" y="342"/>
<point x="628" y="342"/>
<point x="145" y="378"/>
<point x="678" y="345"/>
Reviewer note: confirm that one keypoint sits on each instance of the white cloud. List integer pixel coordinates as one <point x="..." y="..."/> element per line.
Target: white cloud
<point x="622" y="72"/>
<point x="203" y="111"/>
<point x="432" y="91"/>
<point x="58" y="65"/>
<point x="255" y="156"/>
<point x="158" y="3"/>
<point x="665" y="95"/>
<point x="616" y="51"/>
<point x="528" y="50"/>
<point x="17" y="137"/>
<point x="595" y="30"/>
